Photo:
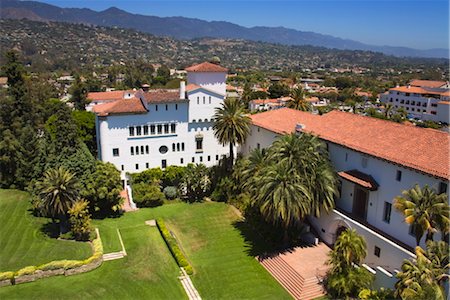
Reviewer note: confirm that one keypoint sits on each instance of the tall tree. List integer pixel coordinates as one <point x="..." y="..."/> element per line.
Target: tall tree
<point x="231" y="125"/>
<point x="283" y="198"/>
<point x="57" y="191"/>
<point x="298" y="100"/>
<point x="78" y="91"/>
<point x="308" y="156"/>
<point x="424" y="210"/>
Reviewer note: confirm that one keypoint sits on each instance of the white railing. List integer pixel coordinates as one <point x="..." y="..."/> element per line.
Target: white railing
<point x="130" y="197"/>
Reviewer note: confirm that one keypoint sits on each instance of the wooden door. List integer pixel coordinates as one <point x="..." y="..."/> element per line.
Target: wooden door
<point x="360" y="197"/>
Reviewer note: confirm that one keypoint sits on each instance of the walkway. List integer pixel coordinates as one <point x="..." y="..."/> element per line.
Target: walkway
<point x="300" y="270"/>
<point x="126" y="203"/>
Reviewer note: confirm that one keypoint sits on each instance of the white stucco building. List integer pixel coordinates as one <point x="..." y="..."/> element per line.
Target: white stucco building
<point x="422" y="99"/>
<point x="376" y="160"/>
<point x="157" y="128"/>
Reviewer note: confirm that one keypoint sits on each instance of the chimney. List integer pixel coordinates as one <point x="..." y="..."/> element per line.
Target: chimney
<point x="182" y="90"/>
<point x="299" y="127"/>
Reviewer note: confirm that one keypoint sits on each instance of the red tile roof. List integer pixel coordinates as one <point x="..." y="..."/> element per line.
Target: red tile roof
<point x="192" y="86"/>
<point x="360" y="178"/>
<point x="418" y="90"/>
<point x="427" y="83"/>
<point x="108" y="96"/>
<point x="162" y="96"/>
<point x="426" y="150"/>
<point x="122" y="106"/>
<point x="206" y="67"/>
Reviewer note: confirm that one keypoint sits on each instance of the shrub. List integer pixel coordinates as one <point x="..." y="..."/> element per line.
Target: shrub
<point x="6" y="275"/>
<point x="26" y="271"/>
<point x="80" y="220"/>
<point x="174" y="248"/>
<point x="53" y="265"/>
<point x="149" y="176"/>
<point x="170" y="192"/>
<point x="172" y="175"/>
<point x="147" y="195"/>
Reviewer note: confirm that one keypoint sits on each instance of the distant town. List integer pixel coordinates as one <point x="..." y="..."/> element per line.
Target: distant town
<point x="135" y="166"/>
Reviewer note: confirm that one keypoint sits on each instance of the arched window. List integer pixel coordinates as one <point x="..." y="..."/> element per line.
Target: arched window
<point x="178" y="146"/>
<point x="182" y="146"/>
<point x="173" y="147"/>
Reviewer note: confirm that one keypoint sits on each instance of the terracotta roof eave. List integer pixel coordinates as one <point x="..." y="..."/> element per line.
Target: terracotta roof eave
<point x="403" y="164"/>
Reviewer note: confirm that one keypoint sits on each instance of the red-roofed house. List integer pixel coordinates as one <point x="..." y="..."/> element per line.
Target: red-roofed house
<point x="375" y="160"/>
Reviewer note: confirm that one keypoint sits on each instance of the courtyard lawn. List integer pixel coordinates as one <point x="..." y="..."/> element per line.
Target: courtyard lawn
<point x="22" y="241"/>
<point x="210" y="234"/>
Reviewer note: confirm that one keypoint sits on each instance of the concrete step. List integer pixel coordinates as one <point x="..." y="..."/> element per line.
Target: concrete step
<point x="113" y="256"/>
<point x="285" y="275"/>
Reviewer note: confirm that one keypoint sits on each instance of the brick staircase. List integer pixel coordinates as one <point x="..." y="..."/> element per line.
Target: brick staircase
<point x="300" y="287"/>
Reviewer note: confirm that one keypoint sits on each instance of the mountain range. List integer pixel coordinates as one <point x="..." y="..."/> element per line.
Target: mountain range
<point x="190" y="28"/>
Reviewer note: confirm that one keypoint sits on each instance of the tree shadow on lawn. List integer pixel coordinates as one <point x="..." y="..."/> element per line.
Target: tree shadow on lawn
<point x="51" y="229"/>
<point x="266" y="244"/>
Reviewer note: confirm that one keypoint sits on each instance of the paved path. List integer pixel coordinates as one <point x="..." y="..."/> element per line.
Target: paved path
<point x="126" y="203"/>
<point x="300" y="270"/>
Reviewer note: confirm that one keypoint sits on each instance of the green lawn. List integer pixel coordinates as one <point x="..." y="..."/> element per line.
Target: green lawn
<point x="22" y="242"/>
<point x="217" y="244"/>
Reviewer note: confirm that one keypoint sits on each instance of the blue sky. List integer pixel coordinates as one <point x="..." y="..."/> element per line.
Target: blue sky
<point x="410" y="23"/>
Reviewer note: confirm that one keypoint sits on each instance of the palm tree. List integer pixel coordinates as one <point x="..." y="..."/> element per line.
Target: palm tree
<point x="299" y="101"/>
<point x="388" y="110"/>
<point x="282" y="197"/>
<point x="308" y="156"/>
<point x="425" y="210"/>
<point x="231" y="125"/>
<point x="344" y="280"/>
<point x="349" y="249"/>
<point x="57" y="191"/>
<point x="250" y="169"/>
<point x="426" y="276"/>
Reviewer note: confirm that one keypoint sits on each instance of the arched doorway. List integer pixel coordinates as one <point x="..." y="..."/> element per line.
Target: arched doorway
<point x="339" y="231"/>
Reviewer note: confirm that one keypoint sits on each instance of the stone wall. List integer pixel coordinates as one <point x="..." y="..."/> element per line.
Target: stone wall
<point x="38" y="274"/>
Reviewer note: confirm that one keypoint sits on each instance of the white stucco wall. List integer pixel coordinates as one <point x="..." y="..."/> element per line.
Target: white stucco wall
<point x="391" y="255"/>
<point x="214" y="81"/>
<point x="260" y="136"/>
<point x="384" y="174"/>
<point x="114" y="133"/>
<point x="202" y="105"/>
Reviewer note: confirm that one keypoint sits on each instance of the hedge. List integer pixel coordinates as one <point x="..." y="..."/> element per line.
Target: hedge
<point x="6" y="275"/>
<point x="58" y="264"/>
<point x="174" y="248"/>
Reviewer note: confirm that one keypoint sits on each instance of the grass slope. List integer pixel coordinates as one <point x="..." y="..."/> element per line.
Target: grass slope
<point x="210" y="235"/>
<point x="148" y="272"/>
<point x="22" y="242"/>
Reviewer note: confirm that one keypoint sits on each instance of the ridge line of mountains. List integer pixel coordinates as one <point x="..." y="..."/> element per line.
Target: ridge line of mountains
<point x="190" y="28"/>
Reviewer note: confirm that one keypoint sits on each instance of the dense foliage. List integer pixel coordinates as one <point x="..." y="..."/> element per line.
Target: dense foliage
<point x="346" y="277"/>
<point x="426" y="276"/>
<point x="80" y="220"/>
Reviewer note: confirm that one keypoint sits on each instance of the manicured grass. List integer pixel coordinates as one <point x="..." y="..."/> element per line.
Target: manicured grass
<point x="148" y="272"/>
<point x="110" y="239"/>
<point x="217" y="244"/>
<point x="22" y="242"/>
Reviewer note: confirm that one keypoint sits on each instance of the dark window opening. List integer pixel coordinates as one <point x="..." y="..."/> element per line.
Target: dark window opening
<point x="115" y="151"/>
<point x="377" y="251"/>
<point x="387" y="212"/>
<point x="398" y="176"/>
